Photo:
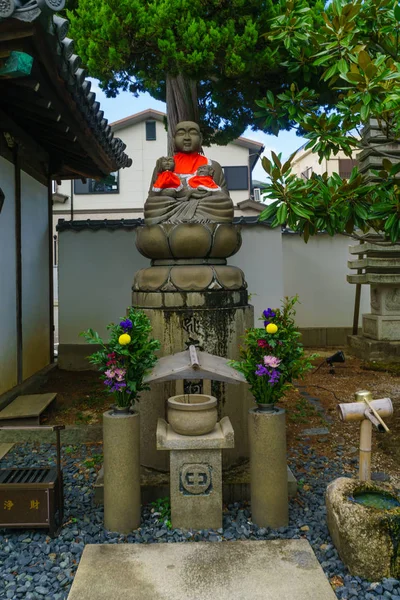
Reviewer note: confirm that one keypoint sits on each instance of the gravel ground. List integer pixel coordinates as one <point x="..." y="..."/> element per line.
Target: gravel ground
<point x="35" y="567"/>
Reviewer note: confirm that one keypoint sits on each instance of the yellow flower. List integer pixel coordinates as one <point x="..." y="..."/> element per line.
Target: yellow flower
<point x="124" y="339"/>
<point x="271" y="328"/>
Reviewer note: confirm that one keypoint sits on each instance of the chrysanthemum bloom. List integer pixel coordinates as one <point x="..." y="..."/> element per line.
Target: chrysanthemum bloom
<point x="271" y="328"/>
<point x="124" y="339"/>
<point x="120" y="374"/>
<point x="272" y="361"/>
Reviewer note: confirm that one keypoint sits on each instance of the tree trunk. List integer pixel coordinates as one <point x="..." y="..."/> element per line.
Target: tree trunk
<point x="182" y="105"/>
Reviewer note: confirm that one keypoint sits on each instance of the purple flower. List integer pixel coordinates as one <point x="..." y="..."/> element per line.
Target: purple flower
<point x="118" y="386"/>
<point x="269" y="314"/>
<point x="274" y="376"/>
<point x="126" y="324"/>
<point x="108" y="382"/>
<point x="261" y="370"/>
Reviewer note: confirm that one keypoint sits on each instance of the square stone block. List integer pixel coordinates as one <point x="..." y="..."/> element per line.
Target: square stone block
<point x="385" y="299"/>
<point x="380" y="327"/>
<point x="196" y="474"/>
<point x="196" y="489"/>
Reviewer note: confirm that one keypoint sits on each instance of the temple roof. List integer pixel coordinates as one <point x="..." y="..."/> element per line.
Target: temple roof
<point x="113" y="224"/>
<point x="45" y="99"/>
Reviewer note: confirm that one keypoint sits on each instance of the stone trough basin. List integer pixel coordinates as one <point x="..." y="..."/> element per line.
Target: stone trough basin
<point x="192" y="414"/>
<point x="364" y="523"/>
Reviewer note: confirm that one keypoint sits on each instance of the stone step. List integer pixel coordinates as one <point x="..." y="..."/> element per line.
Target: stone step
<point x="4" y="449"/>
<point x="155" y="484"/>
<point x="242" y="570"/>
<point x="26" y="410"/>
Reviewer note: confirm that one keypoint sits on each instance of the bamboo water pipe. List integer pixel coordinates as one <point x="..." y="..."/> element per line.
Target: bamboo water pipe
<point x="369" y="412"/>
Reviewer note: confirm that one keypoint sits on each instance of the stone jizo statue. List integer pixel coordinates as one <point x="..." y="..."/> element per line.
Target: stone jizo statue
<point x="203" y="197"/>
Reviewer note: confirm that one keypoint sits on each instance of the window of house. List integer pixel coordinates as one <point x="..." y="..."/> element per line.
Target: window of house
<point x="108" y="185"/>
<point x="346" y="166"/>
<point x="237" y="178"/>
<point x="307" y="173"/>
<point x="150" y="130"/>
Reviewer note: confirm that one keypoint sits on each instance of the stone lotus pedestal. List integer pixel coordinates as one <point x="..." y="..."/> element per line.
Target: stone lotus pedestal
<point x="378" y="266"/>
<point x="192" y="296"/>
<point x="121" y="441"/>
<point x="196" y="474"/>
<point x="268" y="468"/>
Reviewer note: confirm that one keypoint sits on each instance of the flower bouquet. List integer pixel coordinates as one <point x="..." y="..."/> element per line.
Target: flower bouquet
<point x="272" y="356"/>
<point x="126" y="358"/>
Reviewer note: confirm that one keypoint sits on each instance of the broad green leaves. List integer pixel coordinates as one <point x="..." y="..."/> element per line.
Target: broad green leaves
<point x="332" y="204"/>
<point x="351" y="71"/>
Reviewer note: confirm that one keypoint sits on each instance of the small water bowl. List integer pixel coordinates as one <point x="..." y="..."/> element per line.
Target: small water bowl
<point x="379" y="500"/>
<point x="192" y="414"/>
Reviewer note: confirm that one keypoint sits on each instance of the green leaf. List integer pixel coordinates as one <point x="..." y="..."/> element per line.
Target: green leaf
<point x="282" y="214"/>
<point x="363" y="59"/>
<point x="364" y="112"/>
<point x="269" y="212"/>
<point x="276" y="160"/>
<point x="387" y="165"/>
<point x="397" y="12"/>
<point x="370" y="70"/>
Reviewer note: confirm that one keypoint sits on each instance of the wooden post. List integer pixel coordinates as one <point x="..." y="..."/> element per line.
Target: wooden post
<point x="357" y="301"/>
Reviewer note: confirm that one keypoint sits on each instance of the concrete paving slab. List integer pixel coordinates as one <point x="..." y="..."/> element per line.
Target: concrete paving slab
<point x="264" y="570"/>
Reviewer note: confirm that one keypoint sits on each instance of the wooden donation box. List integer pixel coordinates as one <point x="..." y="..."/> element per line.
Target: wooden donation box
<point x="33" y="497"/>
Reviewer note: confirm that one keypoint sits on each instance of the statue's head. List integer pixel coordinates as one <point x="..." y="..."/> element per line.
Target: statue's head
<point x="167" y="163"/>
<point x="206" y="170"/>
<point x="187" y="137"/>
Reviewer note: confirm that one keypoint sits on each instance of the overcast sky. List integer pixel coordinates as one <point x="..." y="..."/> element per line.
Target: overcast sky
<point x="125" y="104"/>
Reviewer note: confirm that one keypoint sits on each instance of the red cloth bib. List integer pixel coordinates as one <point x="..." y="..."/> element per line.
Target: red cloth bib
<point x="189" y="162"/>
<point x="166" y="179"/>
<point x="204" y="181"/>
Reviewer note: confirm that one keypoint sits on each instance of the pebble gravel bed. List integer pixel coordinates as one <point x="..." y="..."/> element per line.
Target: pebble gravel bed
<point x="35" y="567"/>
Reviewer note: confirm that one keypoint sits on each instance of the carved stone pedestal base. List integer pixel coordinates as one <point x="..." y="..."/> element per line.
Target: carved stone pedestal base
<point x="196" y="474"/>
<point x="374" y="350"/>
<point x="382" y="327"/>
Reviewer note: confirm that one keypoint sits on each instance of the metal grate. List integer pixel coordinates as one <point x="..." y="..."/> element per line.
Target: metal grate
<point x="43" y="475"/>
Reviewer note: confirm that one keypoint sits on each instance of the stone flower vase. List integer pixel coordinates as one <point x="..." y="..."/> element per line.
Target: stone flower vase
<point x="121" y="440"/>
<point x="268" y="466"/>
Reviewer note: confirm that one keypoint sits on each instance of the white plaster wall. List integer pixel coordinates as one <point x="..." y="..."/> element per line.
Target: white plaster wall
<point x="8" y="328"/>
<point x="35" y="276"/>
<point x="317" y="271"/>
<point x="261" y="260"/>
<point x="96" y="271"/>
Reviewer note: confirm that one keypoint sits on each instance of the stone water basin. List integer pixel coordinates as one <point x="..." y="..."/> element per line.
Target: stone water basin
<point x="192" y="414"/>
<point x="364" y="523"/>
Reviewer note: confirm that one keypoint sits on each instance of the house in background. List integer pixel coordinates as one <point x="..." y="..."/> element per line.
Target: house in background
<point x="306" y="162"/>
<point x="51" y="128"/>
<point x="123" y="194"/>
